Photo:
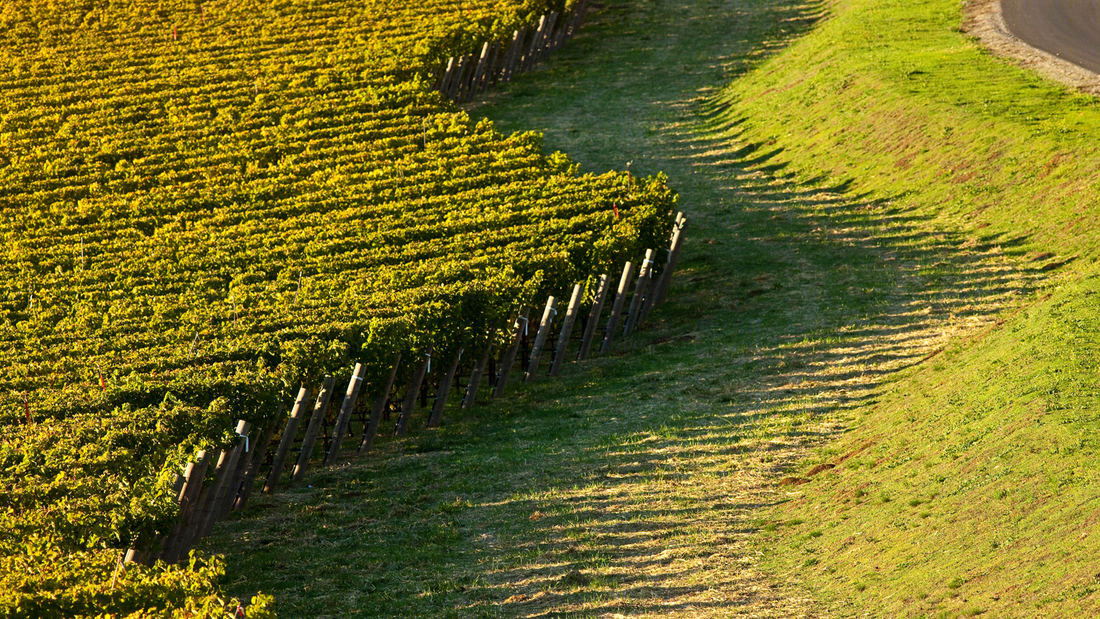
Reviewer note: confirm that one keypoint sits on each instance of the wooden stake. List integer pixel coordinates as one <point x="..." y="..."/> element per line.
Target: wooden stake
<point x="594" y="316"/>
<point x="469" y="72"/>
<point x="566" y="330"/>
<point x="409" y="404"/>
<point x="657" y="282"/>
<point x="448" y="77"/>
<point x="547" y="34"/>
<point x="562" y="31"/>
<point x="673" y="256"/>
<point x="579" y="13"/>
<point x="509" y="359"/>
<point x="550" y="44"/>
<point x="478" y="82"/>
<point x="540" y="339"/>
<point x="188" y="498"/>
<point x="454" y="89"/>
<point x="444" y="390"/>
<point x="289" y="434"/>
<point x="256" y="460"/>
<point x="475" y="376"/>
<point x="617" y="306"/>
<point x="246" y="449"/>
<point x="351" y="396"/>
<point x="320" y="409"/>
<point x="207" y="500"/>
<point x="531" y="56"/>
<point x="496" y="67"/>
<point x="515" y="51"/>
<point x="226" y="490"/>
<point x="380" y="404"/>
<point x="641" y="290"/>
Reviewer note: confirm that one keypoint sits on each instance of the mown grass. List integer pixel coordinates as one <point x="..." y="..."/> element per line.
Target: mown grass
<point x="970" y="486"/>
<point x="838" y="410"/>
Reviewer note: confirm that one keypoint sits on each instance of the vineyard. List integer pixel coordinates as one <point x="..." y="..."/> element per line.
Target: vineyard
<point x="206" y="205"/>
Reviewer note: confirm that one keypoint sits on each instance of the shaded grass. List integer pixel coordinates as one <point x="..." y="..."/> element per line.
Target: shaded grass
<point x="652" y="480"/>
<point x="968" y="487"/>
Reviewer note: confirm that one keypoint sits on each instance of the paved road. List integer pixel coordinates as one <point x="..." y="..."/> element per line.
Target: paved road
<point x="1069" y="29"/>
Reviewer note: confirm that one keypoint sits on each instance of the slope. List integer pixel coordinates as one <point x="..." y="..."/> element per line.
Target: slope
<point x="815" y="286"/>
<point x="969" y="486"/>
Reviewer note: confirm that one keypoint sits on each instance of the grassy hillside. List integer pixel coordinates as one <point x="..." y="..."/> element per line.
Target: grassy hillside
<point x="971" y="484"/>
<point x="892" y="262"/>
<point x="898" y="100"/>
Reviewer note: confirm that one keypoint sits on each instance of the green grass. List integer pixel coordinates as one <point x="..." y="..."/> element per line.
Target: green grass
<point x="991" y="451"/>
<point x="970" y="486"/>
<point x="871" y="390"/>
<point x="895" y="100"/>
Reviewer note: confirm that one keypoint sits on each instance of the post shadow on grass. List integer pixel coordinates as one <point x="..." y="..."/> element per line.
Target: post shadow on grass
<point x="571" y="576"/>
<point x="794" y="300"/>
<point x="926" y="274"/>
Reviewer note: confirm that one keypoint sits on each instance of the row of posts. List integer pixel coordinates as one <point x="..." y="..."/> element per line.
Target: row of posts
<point x="237" y="468"/>
<point x="499" y="61"/>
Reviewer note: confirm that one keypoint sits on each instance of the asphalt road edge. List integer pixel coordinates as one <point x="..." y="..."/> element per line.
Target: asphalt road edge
<point x="983" y="20"/>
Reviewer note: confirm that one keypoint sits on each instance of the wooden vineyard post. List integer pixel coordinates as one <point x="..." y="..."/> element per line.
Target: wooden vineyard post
<point x="594" y="317"/>
<point x="380" y="403"/>
<point x="444" y="390"/>
<point x="475" y="375"/>
<point x="245" y="450"/>
<point x="552" y="38"/>
<point x="566" y="330"/>
<point x="188" y="498"/>
<point x="547" y="34"/>
<point x="562" y="32"/>
<point x="289" y="433"/>
<point x="320" y="408"/>
<point x="673" y="256"/>
<point x="448" y="77"/>
<point x="224" y="487"/>
<point x="509" y="358"/>
<point x="652" y="300"/>
<point x="468" y="77"/>
<point x="458" y="84"/>
<point x="530" y="57"/>
<point x="256" y="460"/>
<point x="496" y="64"/>
<point x="641" y="291"/>
<point x="410" y="396"/>
<point x="478" y="83"/>
<point x="456" y="78"/>
<point x="351" y="396"/>
<point x="205" y="506"/>
<point x="461" y="81"/>
<point x="579" y="12"/>
<point x="617" y="306"/>
<point x="540" y="338"/>
<point x="133" y="555"/>
<point x="515" y="51"/>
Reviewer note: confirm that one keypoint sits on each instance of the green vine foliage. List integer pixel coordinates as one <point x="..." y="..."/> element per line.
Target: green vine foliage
<point x="204" y="205"/>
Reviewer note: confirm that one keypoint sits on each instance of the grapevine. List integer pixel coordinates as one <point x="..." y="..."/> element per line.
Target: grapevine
<point x="205" y="205"/>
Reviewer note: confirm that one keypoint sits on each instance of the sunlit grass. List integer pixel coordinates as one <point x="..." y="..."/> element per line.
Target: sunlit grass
<point x="835" y="412"/>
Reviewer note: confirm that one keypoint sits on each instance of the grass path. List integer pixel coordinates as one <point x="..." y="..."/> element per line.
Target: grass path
<point x="641" y="483"/>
